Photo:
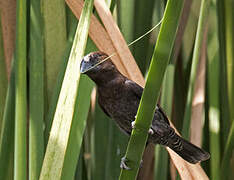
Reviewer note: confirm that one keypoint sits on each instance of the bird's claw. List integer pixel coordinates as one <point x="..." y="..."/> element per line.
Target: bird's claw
<point x="123" y="164"/>
<point x="133" y="124"/>
<point x="151" y="131"/>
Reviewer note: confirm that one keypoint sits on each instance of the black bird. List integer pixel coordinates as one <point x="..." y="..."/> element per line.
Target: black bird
<point x="119" y="98"/>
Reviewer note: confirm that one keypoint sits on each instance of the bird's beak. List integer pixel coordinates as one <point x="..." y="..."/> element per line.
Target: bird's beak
<point x="84" y="66"/>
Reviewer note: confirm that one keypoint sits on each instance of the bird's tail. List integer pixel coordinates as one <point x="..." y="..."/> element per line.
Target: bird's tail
<point x="188" y="151"/>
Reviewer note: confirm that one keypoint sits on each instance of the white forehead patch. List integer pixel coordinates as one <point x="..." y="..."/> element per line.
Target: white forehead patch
<point x="86" y="58"/>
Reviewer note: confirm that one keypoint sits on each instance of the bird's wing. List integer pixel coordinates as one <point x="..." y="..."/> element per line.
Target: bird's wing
<point x="138" y="90"/>
<point x="134" y="87"/>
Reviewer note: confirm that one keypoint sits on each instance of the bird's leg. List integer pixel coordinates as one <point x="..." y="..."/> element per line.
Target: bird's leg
<point x="123" y="164"/>
<point x="151" y="131"/>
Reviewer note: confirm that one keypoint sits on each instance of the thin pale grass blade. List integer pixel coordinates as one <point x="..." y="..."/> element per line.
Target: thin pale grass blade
<point x="59" y="135"/>
<point x="55" y="38"/>
<point x="7" y="131"/>
<point x="204" y="10"/>
<point x="161" y="155"/>
<point x="36" y="91"/>
<point x="20" y="152"/>
<point x="150" y="95"/>
<point x="8" y="21"/>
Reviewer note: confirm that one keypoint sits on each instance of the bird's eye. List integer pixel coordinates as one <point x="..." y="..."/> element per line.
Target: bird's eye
<point x="93" y="64"/>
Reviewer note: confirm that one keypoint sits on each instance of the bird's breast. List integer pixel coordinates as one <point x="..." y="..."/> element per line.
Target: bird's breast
<point x="121" y="107"/>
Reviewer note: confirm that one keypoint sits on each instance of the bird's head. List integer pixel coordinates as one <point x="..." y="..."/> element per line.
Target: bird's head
<point x="97" y="65"/>
<point x="96" y="62"/>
